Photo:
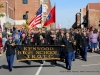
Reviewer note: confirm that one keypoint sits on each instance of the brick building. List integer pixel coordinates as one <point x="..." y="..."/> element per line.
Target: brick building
<point x="83" y="15"/>
<point x="90" y="16"/>
<point x="8" y="11"/>
<point x="16" y="9"/>
<point x="93" y="14"/>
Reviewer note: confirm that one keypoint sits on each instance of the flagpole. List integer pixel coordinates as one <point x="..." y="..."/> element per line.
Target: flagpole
<point x="55" y="16"/>
<point x="42" y="16"/>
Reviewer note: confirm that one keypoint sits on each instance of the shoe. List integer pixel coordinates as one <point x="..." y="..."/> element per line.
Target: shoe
<point x="66" y="67"/>
<point x="29" y="63"/>
<point x="41" y="62"/>
<point x="85" y="59"/>
<point x="69" y="68"/>
<point x="10" y="70"/>
<point x="73" y="60"/>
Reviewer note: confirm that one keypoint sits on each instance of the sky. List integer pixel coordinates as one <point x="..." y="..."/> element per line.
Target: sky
<point x="67" y="9"/>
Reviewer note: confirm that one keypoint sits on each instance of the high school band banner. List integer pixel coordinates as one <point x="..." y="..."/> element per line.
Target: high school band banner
<point x="42" y="52"/>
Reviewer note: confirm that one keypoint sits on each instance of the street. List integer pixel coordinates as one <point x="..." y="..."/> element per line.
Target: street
<point x="91" y="67"/>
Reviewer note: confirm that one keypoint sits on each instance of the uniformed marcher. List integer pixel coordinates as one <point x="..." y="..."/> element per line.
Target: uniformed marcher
<point x="69" y="49"/>
<point x="9" y="49"/>
<point x="42" y="41"/>
<point x="84" y="44"/>
<point x="55" y="42"/>
<point x="28" y="39"/>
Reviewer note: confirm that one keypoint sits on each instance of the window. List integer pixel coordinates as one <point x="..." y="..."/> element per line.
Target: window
<point x="45" y="7"/>
<point x="45" y="1"/>
<point x="25" y="1"/>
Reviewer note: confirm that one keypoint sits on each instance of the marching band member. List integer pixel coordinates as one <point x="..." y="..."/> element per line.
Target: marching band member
<point x="9" y="49"/>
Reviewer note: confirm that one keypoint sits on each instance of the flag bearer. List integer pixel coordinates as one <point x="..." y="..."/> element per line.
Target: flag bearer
<point x="69" y="49"/>
<point x="9" y="49"/>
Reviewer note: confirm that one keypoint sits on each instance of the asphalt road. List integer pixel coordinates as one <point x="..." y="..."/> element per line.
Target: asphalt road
<point x="91" y="67"/>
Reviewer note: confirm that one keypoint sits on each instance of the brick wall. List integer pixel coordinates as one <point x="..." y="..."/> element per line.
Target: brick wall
<point x="20" y="8"/>
<point x="2" y="2"/>
<point x="93" y="18"/>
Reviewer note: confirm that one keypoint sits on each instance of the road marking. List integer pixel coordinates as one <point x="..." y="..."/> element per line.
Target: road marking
<point x="38" y="71"/>
<point x="91" y="64"/>
<point x="93" y="55"/>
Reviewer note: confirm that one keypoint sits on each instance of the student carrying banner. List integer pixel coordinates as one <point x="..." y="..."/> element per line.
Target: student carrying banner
<point x="27" y="41"/>
<point x="42" y="41"/>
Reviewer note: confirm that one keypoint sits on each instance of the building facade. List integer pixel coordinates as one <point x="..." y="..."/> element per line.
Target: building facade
<point x="90" y="16"/>
<point x="93" y="14"/>
<point x="15" y="10"/>
<point x="8" y="11"/>
<point x="83" y="15"/>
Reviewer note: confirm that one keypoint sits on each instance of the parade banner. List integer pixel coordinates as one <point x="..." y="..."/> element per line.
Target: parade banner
<point x="42" y="52"/>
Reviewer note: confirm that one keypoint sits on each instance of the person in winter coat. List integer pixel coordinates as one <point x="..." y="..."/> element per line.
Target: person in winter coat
<point x="94" y="40"/>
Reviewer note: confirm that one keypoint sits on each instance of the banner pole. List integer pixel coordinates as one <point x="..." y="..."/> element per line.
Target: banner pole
<point x="42" y="16"/>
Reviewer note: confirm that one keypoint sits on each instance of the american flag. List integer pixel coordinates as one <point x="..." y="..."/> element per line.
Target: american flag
<point x="37" y="19"/>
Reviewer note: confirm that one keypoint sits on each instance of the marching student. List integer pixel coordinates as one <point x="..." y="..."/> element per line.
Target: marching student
<point x="9" y="49"/>
<point x="84" y="40"/>
<point x="27" y="41"/>
<point x="55" y="41"/>
<point x="42" y="41"/>
<point x="69" y="49"/>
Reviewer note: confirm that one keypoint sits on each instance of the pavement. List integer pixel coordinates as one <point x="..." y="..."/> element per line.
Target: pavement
<point x="79" y="67"/>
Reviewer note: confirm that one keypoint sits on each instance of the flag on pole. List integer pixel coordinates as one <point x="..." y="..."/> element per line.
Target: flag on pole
<point x="37" y="19"/>
<point x="50" y="18"/>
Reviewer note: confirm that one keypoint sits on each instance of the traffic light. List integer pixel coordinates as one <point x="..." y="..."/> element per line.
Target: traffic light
<point x="24" y="17"/>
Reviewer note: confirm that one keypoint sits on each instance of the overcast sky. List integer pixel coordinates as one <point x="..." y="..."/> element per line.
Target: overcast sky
<point x="66" y="10"/>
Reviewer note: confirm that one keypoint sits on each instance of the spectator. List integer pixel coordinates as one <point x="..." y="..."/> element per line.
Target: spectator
<point x="94" y="40"/>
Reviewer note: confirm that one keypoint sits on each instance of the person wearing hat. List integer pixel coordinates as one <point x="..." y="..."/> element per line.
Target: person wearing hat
<point x="9" y="49"/>
<point x="69" y="49"/>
